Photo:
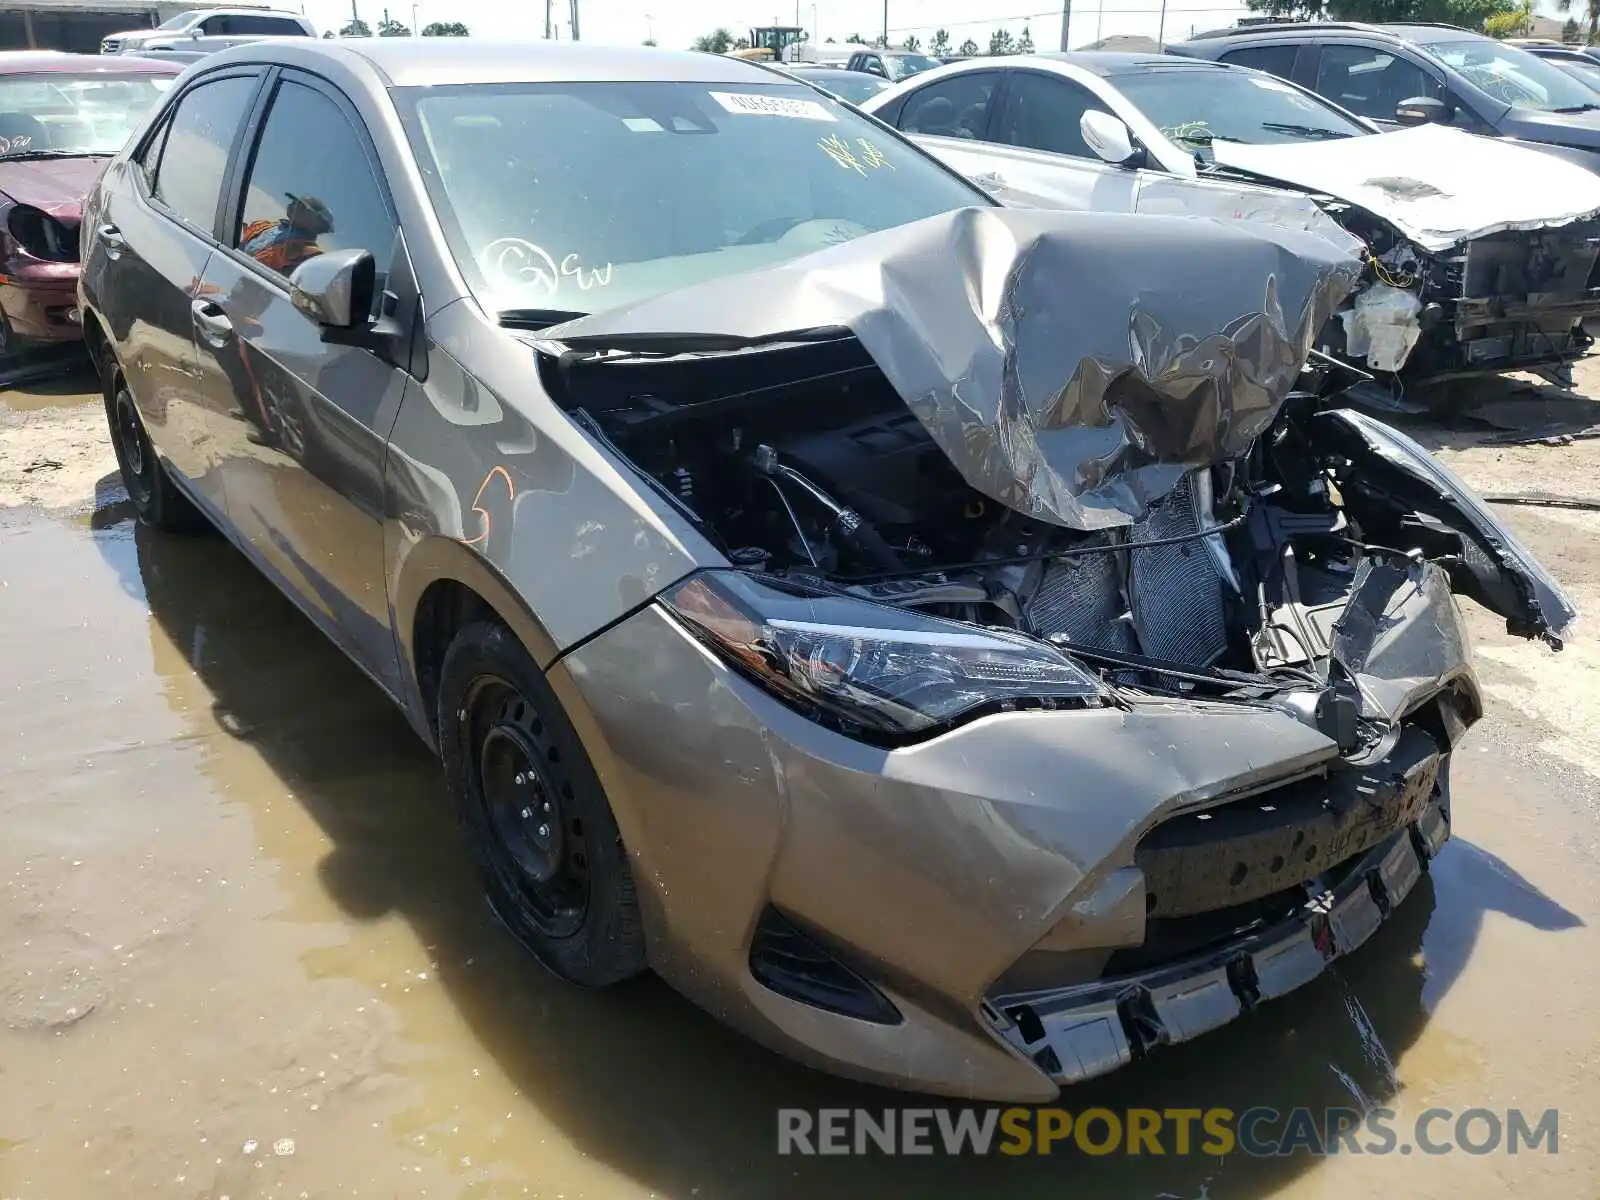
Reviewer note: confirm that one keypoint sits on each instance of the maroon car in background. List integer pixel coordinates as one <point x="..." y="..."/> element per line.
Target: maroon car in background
<point x="61" y="117"/>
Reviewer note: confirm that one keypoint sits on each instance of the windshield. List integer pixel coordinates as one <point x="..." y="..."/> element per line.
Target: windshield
<point x="181" y="21"/>
<point x="580" y="197"/>
<point x="61" y="115"/>
<point x="1193" y="108"/>
<point x="1514" y="76"/>
<point x="903" y="66"/>
<point x="1585" y="70"/>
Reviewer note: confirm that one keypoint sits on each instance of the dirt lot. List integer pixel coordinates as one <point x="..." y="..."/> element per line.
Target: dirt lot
<point x="241" y="954"/>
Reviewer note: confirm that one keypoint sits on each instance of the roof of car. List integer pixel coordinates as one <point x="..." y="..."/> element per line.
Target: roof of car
<point x="1412" y="31"/>
<point x="411" y="62"/>
<point x="35" y="62"/>
<point x="1114" y="62"/>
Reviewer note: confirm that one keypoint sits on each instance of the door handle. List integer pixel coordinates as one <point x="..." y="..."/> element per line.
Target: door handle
<point x="111" y="237"/>
<point x="211" y="322"/>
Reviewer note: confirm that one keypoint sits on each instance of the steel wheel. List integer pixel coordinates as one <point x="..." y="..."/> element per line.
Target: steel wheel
<point x="537" y="847"/>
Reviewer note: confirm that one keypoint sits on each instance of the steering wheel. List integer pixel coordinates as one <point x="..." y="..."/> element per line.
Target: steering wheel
<point x="831" y="229"/>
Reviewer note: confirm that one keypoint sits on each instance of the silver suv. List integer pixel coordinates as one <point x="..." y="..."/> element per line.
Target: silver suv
<point x="209" y="29"/>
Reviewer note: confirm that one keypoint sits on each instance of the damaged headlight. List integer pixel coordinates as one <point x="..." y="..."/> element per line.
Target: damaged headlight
<point x="884" y="670"/>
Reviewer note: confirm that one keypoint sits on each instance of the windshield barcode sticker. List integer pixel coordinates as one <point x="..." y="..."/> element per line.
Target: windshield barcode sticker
<point x="772" y="106"/>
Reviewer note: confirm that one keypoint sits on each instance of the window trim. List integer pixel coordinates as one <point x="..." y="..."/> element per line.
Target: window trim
<point x="234" y="186"/>
<point x="163" y="122"/>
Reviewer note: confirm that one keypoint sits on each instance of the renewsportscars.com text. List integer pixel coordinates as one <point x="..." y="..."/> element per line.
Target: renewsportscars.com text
<point x="1257" y="1132"/>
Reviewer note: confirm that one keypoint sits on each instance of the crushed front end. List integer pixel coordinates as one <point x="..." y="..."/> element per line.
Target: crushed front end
<point x="1074" y="676"/>
<point x="1510" y="300"/>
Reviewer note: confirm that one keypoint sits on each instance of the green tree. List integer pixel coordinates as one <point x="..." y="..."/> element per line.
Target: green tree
<point x="912" y="44"/>
<point x="1570" y="31"/>
<point x="1001" y="42"/>
<point x="1025" y="42"/>
<point x="355" y="27"/>
<point x="649" y="42"/>
<point x="388" y="28"/>
<point x="1470" y="14"/>
<point x="939" y="45"/>
<point x="968" y="49"/>
<point x="446" y="29"/>
<point x="881" y="41"/>
<point x="718" y="41"/>
<point x="1516" y="23"/>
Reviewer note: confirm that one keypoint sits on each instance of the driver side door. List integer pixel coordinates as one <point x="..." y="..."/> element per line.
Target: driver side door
<point x="312" y="409"/>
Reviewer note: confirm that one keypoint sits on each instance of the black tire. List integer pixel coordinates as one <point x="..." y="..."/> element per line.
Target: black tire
<point x="156" y="499"/>
<point x="545" y="841"/>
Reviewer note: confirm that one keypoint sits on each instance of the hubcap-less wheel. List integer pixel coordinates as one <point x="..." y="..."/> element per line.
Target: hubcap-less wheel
<point x="537" y="847"/>
<point x="138" y="455"/>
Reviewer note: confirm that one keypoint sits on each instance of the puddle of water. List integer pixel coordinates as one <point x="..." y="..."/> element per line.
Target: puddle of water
<point x="70" y="388"/>
<point x="235" y="912"/>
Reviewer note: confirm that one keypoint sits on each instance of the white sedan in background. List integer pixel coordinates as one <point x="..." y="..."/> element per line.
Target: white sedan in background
<point x="1482" y="251"/>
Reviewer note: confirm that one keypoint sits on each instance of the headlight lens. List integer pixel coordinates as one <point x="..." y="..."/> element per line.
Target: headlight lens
<point x="878" y="670"/>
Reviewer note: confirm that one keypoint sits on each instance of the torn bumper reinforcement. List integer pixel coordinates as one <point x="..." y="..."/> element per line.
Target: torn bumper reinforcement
<point x="1077" y="1033"/>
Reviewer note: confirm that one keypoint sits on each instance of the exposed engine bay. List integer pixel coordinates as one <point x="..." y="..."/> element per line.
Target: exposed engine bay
<point x="803" y="464"/>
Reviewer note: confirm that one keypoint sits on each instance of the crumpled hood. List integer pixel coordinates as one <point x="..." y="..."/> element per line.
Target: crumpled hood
<point x="57" y="185"/>
<point x="1438" y="186"/>
<point x="1073" y="366"/>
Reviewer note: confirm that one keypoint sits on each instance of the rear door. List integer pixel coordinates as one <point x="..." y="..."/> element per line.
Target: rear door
<point x="157" y="230"/>
<point x="313" y="409"/>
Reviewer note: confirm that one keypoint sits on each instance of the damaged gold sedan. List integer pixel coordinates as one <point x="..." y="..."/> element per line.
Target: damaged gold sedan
<point x="959" y="646"/>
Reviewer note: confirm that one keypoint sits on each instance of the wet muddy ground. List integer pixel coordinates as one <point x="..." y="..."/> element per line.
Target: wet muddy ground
<point x="242" y="955"/>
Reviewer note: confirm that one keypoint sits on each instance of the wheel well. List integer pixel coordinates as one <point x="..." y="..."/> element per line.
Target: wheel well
<point x="445" y="607"/>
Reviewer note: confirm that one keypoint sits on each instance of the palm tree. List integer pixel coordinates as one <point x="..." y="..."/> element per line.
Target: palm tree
<point x="1594" y="16"/>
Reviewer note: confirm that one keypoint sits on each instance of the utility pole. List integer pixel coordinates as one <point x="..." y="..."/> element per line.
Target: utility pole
<point x="547" y="4"/>
<point x="885" y="24"/>
<point x="1066" y="23"/>
<point x="575" y="35"/>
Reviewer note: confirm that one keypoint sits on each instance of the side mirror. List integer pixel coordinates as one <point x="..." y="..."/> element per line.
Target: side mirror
<point x="1108" y="137"/>
<point x="335" y="288"/>
<point x="1421" y="110"/>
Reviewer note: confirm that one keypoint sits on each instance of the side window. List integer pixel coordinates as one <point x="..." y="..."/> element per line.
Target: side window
<point x="1043" y="113"/>
<point x="955" y="107"/>
<point x="1370" y="82"/>
<point x="872" y="63"/>
<point x="294" y="206"/>
<point x="194" y="157"/>
<point x="212" y="26"/>
<point x="1275" y="60"/>
<point x="266" y="25"/>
